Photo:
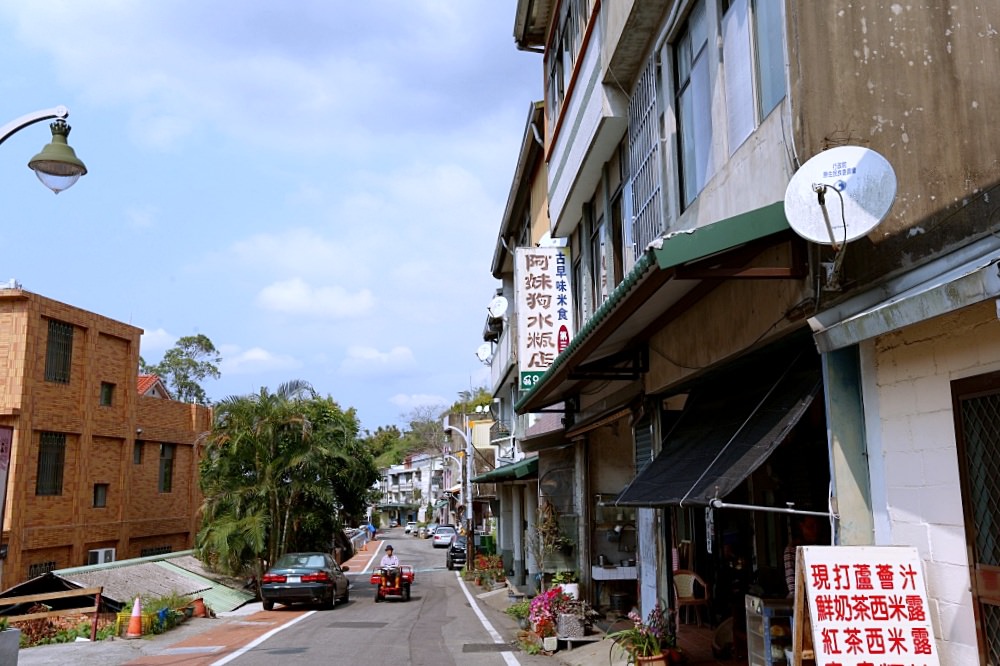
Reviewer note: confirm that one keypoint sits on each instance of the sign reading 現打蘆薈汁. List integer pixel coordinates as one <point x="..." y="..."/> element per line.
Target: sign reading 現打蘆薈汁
<point x="544" y="305"/>
<point x="867" y="606"/>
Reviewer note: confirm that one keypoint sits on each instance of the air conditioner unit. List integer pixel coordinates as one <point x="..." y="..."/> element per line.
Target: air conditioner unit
<point x="101" y="556"/>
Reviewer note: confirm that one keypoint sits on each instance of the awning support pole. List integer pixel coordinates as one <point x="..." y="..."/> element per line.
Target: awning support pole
<point x="719" y="504"/>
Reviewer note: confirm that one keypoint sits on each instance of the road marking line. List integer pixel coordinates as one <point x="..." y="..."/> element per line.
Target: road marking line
<point x="254" y="643"/>
<point x="508" y="657"/>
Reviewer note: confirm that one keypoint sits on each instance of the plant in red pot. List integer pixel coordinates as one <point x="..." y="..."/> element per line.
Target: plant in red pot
<point x="649" y="642"/>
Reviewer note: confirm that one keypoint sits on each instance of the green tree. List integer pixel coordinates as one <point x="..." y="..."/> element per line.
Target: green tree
<point x="185" y="365"/>
<point x="278" y="473"/>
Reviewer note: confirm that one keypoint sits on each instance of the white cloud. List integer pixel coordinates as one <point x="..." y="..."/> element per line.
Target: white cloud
<point x="295" y="296"/>
<point x="370" y="361"/>
<point x="408" y="402"/>
<point x="254" y="360"/>
<point x="153" y="343"/>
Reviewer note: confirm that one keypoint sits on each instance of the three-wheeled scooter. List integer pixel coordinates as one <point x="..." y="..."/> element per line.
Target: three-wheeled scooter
<point x="393" y="582"/>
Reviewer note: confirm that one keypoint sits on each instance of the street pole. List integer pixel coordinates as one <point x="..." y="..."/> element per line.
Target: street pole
<point x="467" y="490"/>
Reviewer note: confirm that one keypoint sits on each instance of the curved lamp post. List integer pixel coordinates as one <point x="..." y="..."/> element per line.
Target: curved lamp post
<point x="469" y="470"/>
<point x="57" y="166"/>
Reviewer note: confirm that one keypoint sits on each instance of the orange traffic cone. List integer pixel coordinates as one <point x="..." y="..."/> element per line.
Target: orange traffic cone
<point x="135" y="622"/>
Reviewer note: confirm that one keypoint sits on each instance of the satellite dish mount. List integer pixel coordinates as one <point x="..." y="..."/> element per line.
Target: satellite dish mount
<point x="865" y="185"/>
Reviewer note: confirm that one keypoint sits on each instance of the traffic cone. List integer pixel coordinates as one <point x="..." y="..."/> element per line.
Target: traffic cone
<point x="135" y="622"/>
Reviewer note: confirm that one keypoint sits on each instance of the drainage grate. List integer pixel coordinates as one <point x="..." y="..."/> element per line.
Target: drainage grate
<point x="357" y="625"/>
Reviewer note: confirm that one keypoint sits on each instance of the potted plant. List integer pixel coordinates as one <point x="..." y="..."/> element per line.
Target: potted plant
<point x="520" y="611"/>
<point x="10" y="643"/>
<point x="649" y="642"/>
<point x="568" y="582"/>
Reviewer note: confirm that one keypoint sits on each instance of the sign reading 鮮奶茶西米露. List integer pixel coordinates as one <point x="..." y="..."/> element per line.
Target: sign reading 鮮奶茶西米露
<point x="544" y="303"/>
<point x="861" y="605"/>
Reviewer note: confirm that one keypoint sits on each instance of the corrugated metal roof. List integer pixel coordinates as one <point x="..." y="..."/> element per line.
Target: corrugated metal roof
<point x="160" y="575"/>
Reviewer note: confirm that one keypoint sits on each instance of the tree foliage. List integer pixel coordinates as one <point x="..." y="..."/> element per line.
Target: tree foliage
<point x="185" y="365"/>
<point x="281" y="472"/>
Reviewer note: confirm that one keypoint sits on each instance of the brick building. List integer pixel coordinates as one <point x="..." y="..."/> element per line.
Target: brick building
<point x="100" y="468"/>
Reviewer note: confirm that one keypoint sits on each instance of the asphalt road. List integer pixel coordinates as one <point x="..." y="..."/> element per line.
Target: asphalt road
<point x="437" y="626"/>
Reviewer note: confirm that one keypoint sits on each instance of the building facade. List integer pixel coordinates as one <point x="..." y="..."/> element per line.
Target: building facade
<point x="97" y="472"/>
<point x="726" y="376"/>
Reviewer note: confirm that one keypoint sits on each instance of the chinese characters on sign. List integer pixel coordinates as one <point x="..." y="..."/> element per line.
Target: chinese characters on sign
<point x="544" y="309"/>
<point x="867" y="606"/>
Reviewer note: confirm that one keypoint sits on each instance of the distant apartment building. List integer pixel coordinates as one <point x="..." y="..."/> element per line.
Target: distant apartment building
<point x="100" y="467"/>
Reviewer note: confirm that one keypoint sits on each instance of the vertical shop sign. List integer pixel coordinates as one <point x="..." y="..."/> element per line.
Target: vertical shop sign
<point x="544" y="303"/>
<point x="866" y="606"/>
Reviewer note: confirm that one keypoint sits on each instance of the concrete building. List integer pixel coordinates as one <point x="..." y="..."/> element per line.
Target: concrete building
<point x="724" y="374"/>
<point x="99" y="470"/>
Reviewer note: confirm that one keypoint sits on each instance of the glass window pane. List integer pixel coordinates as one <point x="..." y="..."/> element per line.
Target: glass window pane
<point x="769" y="25"/>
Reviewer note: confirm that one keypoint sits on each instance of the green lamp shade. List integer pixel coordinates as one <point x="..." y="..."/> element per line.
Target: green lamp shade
<point x="57" y="166"/>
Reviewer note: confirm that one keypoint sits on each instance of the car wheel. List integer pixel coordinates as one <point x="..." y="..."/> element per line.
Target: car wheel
<point x="268" y="605"/>
<point x="406" y="593"/>
<point x="347" y="594"/>
<point x="378" y="597"/>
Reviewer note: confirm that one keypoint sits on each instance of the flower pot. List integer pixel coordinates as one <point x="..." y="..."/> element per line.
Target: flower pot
<point x="570" y="626"/>
<point x="571" y="589"/>
<point x="653" y="659"/>
<point x="524" y="623"/>
<point x="199" y="608"/>
<point x="550" y="643"/>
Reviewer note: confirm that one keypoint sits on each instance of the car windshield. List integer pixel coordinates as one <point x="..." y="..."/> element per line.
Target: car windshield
<point x="445" y="531"/>
<point x="299" y="560"/>
<point x="459" y="542"/>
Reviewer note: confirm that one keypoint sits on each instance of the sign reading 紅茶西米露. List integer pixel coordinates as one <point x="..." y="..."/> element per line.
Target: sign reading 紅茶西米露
<point x="544" y="303"/>
<point x="866" y="604"/>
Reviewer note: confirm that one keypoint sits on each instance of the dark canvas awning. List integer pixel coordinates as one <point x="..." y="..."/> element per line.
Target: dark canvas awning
<point x="522" y="469"/>
<point x="731" y="423"/>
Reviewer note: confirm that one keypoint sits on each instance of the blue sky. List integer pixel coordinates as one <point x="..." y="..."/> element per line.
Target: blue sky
<point x="316" y="186"/>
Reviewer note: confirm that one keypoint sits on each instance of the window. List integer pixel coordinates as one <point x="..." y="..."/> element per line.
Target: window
<point x="100" y="495"/>
<point x="59" y="352"/>
<point x="694" y="104"/>
<point x="36" y="570"/>
<point x="754" y="62"/>
<point x="562" y="57"/>
<point x="598" y="256"/>
<point x="51" y="458"/>
<point x="107" y="394"/>
<point x="137" y="452"/>
<point x="166" y="467"/>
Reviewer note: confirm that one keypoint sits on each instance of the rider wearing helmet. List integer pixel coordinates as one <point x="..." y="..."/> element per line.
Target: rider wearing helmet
<point x="391" y="563"/>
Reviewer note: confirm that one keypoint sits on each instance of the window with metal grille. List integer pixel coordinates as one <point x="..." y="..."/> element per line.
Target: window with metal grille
<point x="40" y="568"/>
<point x="107" y="394"/>
<point x="166" y="467"/>
<point x="51" y="459"/>
<point x="100" y="495"/>
<point x="59" y="352"/>
<point x="976" y="403"/>
<point x="137" y="452"/>
<point x="158" y="550"/>
<point x="640" y="201"/>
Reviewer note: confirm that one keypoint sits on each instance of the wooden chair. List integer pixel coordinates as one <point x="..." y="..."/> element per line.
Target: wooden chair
<point x="691" y="593"/>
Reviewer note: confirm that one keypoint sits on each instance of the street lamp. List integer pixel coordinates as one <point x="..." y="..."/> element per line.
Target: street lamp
<point x="57" y="166"/>
<point x="467" y="490"/>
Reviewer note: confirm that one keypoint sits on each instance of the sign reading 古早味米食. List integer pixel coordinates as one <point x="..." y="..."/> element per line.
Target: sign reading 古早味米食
<point x="544" y="305"/>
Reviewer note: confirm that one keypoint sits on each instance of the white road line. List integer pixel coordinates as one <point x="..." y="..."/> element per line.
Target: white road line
<point x="251" y="645"/>
<point x="508" y="657"/>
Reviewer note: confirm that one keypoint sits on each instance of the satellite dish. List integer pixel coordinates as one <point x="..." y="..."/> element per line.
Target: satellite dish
<point x="497" y="307"/>
<point x="840" y="195"/>
<point x="484" y="351"/>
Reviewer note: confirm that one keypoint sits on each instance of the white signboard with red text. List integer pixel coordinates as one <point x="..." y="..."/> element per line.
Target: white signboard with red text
<point x="867" y="606"/>
<point x="544" y="303"/>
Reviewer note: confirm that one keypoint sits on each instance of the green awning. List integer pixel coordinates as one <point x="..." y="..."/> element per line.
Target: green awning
<point x="440" y="504"/>
<point x="522" y="469"/>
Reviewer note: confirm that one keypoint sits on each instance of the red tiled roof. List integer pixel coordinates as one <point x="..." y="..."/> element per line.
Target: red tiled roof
<point x="146" y="382"/>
